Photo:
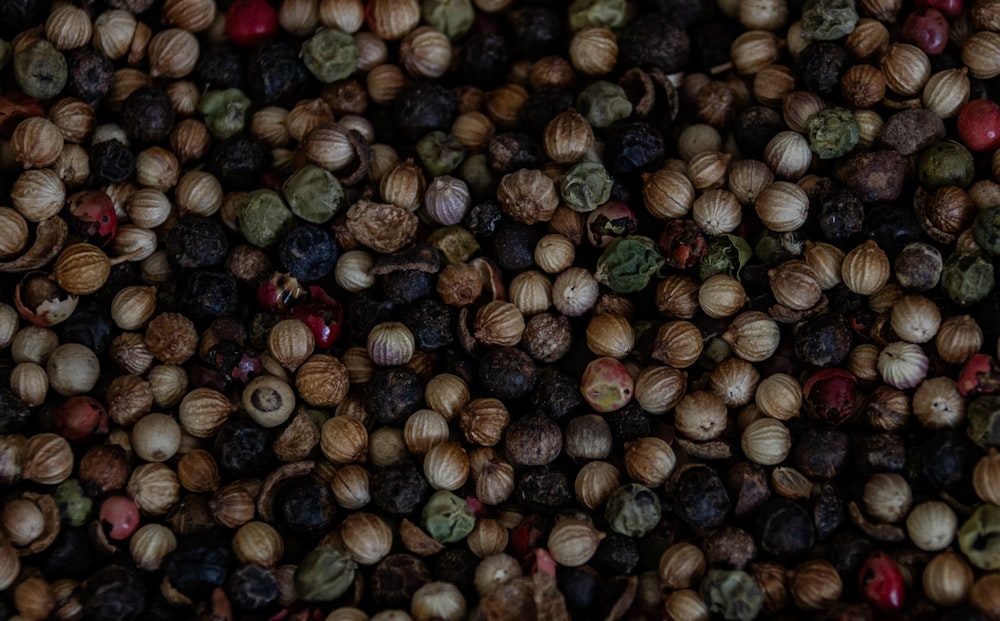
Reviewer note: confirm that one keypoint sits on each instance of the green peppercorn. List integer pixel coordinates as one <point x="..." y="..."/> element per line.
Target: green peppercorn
<point x="225" y="112"/>
<point x="984" y="421"/>
<point x="828" y="20"/>
<point x="628" y="263"/>
<point x="979" y="538"/>
<point x="482" y="180"/>
<point x="632" y="510"/>
<point x="324" y="575"/>
<point x="833" y="132"/>
<point x="967" y="278"/>
<point x="448" y="518"/>
<point x="74" y="505"/>
<point x="40" y="70"/>
<point x="725" y="254"/>
<point x="774" y="247"/>
<point x="314" y="194"/>
<point x="602" y="103"/>
<point x="986" y="230"/>
<point x="608" y="13"/>
<point x="456" y="243"/>
<point x="452" y="17"/>
<point x="330" y="55"/>
<point x="732" y="594"/>
<point x="440" y="153"/>
<point x="945" y="163"/>
<point x="264" y="218"/>
<point x="586" y="186"/>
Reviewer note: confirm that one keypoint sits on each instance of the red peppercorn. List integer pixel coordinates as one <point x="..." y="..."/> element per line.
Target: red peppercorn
<point x="979" y="376"/>
<point x="527" y="536"/>
<point x="80" y="418"/>
<point x="323" y="315"/>
<point x="119" y="517"/>
<point x="540" y="561"/>
<point x="949" y="8"/>
<point x="606" y="385"/>
<point x="979" y="125"/>
<point x="831" y="395"/>
<point x="927" y="29"/>
<point x="92" y="215"/>
<point x="881" y="582"/>
<point x="249" y="22"/>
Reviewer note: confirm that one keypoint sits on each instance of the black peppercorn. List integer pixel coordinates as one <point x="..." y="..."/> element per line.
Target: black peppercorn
<point x="653" y="42"/>
<point x="822" y="452"/>
<point x="848" y="550"/>
<point x="69" y="556"/>
<point x="557" y="396"/>
<point x="483" y="219"/>
<point x="533" y="440"/>
<point x="785" y="529"/>
<point x="514" y="245"/>
<point x="542" y="106"/>
<point x="840" y="213"/>
<point x="252" y="587"/>
<point x="829" y="510"/>
<point x="543" y="490"/>
<point x="729" y="547"/>
<point x="147" y="115"/>
<point x="700" y="498"/>
<point x="366" y="310"/>
<point x="396" y="578"/>
<point x="276" y="75"/>
<point x="431" y="323"/>
<point x="710" y="43"/>
<point x="221" y="66"/>
<point x="754" y="128"/>
<point x="629" y="423"/>
<point x="210" y="295"/>
<point x="406" y="286"/>
<point x="878" y="452"/>
<point x="633" y="147"/>
<point x="243" y="448"/>
<point x="586" y="594"/>
<point x="308" y="252"/>
<point x="306" y="506"/>
<point x="892" y="227"/>
<point x="111" y="162"/>
<point x="820" y="66"/>
<point x="197" y="566"/>
<point x="507" y="373"/>
<point x="89" y="73"/>
<point x="90" y="325"/>
<point x="14" y="413"/>
<point x="239" y="162"/>
<point x="748" y="484"/>
<point x="197" y="242"/>
<point x="512" y="151"/>
<point x="113" y="594"/>
<point x="121" y="276"/>
<point x="457" y="566"/>
<point x="824" y="340"/>
<point x="536" y="31"/>
<point x="485" y="60"/>
<point x="392" y="394"/>
<point x="948" y="460"/>
<point x="400" y="489"/>
<point x="422" y="108"/>
<point x="616" y="555"/>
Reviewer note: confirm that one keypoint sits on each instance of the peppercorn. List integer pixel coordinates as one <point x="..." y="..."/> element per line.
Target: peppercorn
<point x="943" y="164"/>
<point x="724" y="254"/>
<point x="511" y="151"/>
<point x="484" y="60"/>
<point x="252" y="587"/>
<point x="366" y="310"/>
<point x="90" y="325"/>
<point x="330" y="54"/>
<point x="948" y="459"/>
<point x="533" y="440"/>
<point x="537" y="31"/>
<point x="616" y="555"/>
<point x="629" y="423"/>
<point x="833" y="132"/>
<point x="754" y="128"/>
<point x="197" y="243"/>
<point x="544" y="490"/>
<point x="683" y="244"/>
<point x="242" y="448"/>
<point x="507" y="373"/>
<point x="392" y="394"/>
<point x="221" y="66"/>
<point x="560" y="399"/>
<point x="457" y="566"/>
<point x="147" y="116"/>
<point x="440" y="152"/>
<point x="239" y="162"/>
<point x="210" y="294"/>
<point x="700" y="498"/>
<point x="40" y="70"/>
<point x="69" y="556"/>
<point x="113" y="593"/>
<point x="820" y="66"/>
<point x="197" y="565"/>
<point x="306" y="506"/>
<point x="308" y="252"/>
<point x="824" y="340"/>
<point x="396" y="578"/>
<point x="276" y="76"/>
<point x="514" y="245"/>
<point x="784" y="529"/>
<point x="822" y="452"/>
<point x="773" y="248"/>
<point x="483" y="218"/>
<point x="430" y="321"/>
<point x="400" y="489"/>
<point x="423" y="108"/>
<point x="111" y="162"/>
<point x="633" y="147"/>
<point x="733" y="593"/>
<point x="654" y="42"/>
<point x="90" y="74"/>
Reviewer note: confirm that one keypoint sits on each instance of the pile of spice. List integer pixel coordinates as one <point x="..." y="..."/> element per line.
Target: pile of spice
<point x="325" y="310"/>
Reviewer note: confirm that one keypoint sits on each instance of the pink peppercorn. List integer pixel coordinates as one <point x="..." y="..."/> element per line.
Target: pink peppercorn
<point x="927" y="29"/>
<point x="119" y="517"/>
<point x="249" y="22"/>
<point x="881" y="582"/>
<point x="606" y="385"/>
<point x="979" y="125"/>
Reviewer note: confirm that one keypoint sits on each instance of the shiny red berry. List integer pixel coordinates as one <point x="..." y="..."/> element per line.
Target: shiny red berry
<point x="949" y="8"/>
<point x="927" y="29"/>
<point x="831" y="395"/>
<point x="979" y="376"/>
<point x="322" y="314"/>
<point x="249" y="22"/>
<point x="119" y="517"/>
<point x="80" y="418"/>
<point x="979" y="125"/>
<point x="91" y="215"/>
<point x="881" y="582"/>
